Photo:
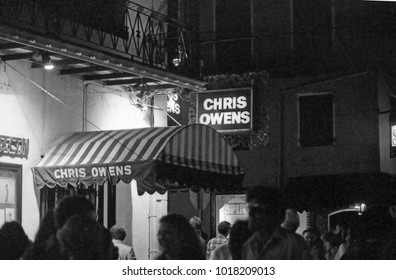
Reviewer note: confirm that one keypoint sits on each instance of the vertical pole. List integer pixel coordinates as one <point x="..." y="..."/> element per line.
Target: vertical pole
<point x="253" y="38"/>
<point x="214" y="32"/>
<point x="291" y="26"/>
<point x="333" y="24"/>
<point x="85" y="106"/>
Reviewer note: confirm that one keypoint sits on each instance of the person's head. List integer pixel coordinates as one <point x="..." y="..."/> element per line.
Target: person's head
<point x="292" y="220"/>
<point x="377" y="222"/>
<point x="82" y="238"/>
<point x="311" y="236"/>
<point x="72" y="205"/>
<point x="353" y="235"/>
<point x="118" y="232"/>
<point x="178" y="239"/>
<point x="13" y="241"/>
<point x="266" y="207"/>
<point x="46" y="228"/>
<point x="239" y="233"/>
<point x="224" y="228"/>
<point x="196" y="224"/>
<point x="329" y="240"/>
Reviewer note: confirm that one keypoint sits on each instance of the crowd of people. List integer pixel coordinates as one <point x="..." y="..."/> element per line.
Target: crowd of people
<point x="71" y="231"/>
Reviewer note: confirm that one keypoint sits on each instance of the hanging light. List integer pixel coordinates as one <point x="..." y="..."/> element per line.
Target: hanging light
<point x="49" y="65"/>
<point x="46" y="58"/>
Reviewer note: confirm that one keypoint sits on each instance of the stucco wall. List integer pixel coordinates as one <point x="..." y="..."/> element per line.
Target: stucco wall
<point x="28" y="112"/>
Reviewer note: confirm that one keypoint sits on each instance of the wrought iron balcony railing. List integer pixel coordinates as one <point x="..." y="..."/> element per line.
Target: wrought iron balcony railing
<point x="126" y="29"/>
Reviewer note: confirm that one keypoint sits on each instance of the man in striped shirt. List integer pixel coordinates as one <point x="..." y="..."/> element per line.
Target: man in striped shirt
<point x="223" y="229"/>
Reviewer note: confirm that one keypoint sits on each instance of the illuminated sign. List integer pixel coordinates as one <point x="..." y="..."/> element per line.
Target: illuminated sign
<point x="393" y="140"/>
<point x="173" y="105"/>
<point x="177" y="109"/>
<point x="226" y="110"/>
<point x="14" y="147"/>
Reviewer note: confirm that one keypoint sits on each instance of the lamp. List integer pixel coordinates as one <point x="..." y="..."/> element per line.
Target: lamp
<point x="360" y="208"/>
<point x="176" y="61"/>
<point x="46" y="59"/>
<point x="181" y="51"/>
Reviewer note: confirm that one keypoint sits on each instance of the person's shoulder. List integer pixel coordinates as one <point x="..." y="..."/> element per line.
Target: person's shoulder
<point x="221" y="253"/>
<point x="35" y="252"/>
<point x="294" y="236"/>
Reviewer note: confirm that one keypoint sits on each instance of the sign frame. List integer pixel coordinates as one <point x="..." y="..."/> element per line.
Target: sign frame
<point x="392" y="139"/>
<point x="220" y="92"/>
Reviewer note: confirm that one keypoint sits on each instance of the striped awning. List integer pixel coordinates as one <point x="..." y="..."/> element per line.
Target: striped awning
<point x="159" y="159"/>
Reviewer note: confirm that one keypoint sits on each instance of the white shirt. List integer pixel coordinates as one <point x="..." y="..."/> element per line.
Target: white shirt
<point x="125" y="252"/>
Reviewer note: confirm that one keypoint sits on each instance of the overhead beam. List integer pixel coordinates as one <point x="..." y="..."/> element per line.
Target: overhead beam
<point x="58" y="63"/>
<point x="82" y="70"/>
<point x="107" y="76"/>
<point x="162" y="86"/>
<point x="16" y="56"/>
<point x="128" y="81"/>
<point x="8" y="46"/>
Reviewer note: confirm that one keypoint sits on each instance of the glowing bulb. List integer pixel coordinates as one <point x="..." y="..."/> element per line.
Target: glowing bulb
<point x="49" y="66"/>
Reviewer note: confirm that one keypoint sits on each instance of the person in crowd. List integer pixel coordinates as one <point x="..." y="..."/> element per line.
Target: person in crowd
<point x="390" y="252"/>
<point x="232" y="250"/>
<point x="330" y="245"/>
<point x="239" y="234"/>
<point x="223" y="229"/>
<point x="314" y="243"/>
<point x="178" y="240"/>
<point x="270" y="240"/>
<point x="125" y="252"/>
<point x="46" y="229"/>
<point x="376" y="235"/>
<point x="352" y="241"/>
<point x="292" y="220"/>
<point x="196" y="223"/>
<point x="13" y="241"/>
<point x="82" y="238"/>
<point x="66" y="207"/>
<point x="340" y="231"/>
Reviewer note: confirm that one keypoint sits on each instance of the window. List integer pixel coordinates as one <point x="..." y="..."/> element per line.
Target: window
<point x="10" y="192"/>
<point x="316" y="120"/>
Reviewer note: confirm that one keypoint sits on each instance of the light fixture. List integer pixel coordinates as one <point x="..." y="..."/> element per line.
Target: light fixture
<point x="46" y="58"/>
<point x="176" y="61"/>
<point x="181" y="52"/>
<point x="49" y="66"/>
<point x="360" y="208"/>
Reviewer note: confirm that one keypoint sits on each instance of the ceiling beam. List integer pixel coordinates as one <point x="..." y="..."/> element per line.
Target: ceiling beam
<point x="107" y="76"/>
<point x="128" y="81"/>
<point x="162" y="86"/>
<point x="8" y="46"/>
<point x="16" y="56"/>
<point x="57" y="63"/>
<point x="82" y="70"/>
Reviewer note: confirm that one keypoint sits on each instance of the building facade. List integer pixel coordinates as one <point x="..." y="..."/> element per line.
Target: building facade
<point x="327" y="96"/>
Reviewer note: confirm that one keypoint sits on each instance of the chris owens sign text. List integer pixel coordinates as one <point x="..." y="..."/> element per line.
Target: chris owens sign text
<point x="226" y="110"/>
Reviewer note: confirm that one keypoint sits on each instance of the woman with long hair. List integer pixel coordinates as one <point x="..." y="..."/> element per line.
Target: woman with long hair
<point x="178" y="240"/>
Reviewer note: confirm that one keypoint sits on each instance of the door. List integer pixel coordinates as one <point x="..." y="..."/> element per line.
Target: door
<point x="10" y="193"/>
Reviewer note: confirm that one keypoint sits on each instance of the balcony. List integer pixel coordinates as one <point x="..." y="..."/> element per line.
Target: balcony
<point x="98" y="39"/>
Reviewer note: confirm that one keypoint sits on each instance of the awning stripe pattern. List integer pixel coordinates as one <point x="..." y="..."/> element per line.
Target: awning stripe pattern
<point x="209" y="152"/>
<point x="108" y="146"/>
<point x="92" y="157"/>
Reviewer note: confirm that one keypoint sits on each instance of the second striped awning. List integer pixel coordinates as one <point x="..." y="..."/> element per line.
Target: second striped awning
<point x="159" y="159"/>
